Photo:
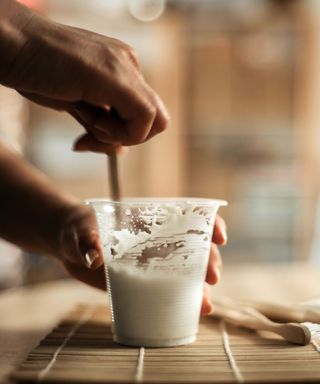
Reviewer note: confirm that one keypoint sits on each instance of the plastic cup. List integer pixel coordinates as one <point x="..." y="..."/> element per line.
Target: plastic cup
<point x="156" y="255"/>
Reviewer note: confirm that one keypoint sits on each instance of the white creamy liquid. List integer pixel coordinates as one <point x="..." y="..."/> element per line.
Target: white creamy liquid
<point x="154" y="308"/>
<point x="155" y="274"/>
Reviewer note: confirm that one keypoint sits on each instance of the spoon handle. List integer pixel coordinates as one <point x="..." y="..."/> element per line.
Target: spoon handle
<point x="114" y="176"/>
<point x="252" y="319"/>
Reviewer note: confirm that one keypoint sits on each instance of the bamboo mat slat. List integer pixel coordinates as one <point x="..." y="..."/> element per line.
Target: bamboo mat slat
<point x="81" y="350"/>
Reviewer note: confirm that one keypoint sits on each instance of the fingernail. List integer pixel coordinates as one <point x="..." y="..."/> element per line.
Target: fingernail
<point x="224" y="237"/>
<point x="90" y="257"/>
<point x="217" y="273"/>
<point x="206" y="308"/>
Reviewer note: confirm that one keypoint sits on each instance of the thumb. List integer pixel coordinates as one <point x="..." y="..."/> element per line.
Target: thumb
<point x="80" y="241"/>
<point x="90" y="249"/>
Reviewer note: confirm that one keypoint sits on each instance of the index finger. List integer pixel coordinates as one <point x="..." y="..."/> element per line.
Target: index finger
<point x="141" y="112"/>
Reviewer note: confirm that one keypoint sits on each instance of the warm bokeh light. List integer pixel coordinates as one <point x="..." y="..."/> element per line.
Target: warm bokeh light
<point x="240" y="79"/>
<point x="34" y="4"/>
<point x="146" y="10"/>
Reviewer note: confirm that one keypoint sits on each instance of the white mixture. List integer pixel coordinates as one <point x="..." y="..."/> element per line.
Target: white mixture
<point x="156" y="277"/>
<point x="154" y="309"/>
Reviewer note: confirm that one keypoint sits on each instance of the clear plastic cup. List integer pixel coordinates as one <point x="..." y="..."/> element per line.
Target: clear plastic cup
<point x="156" y="255"/>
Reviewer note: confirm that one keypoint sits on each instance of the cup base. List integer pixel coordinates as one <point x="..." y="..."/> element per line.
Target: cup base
<point x="156" y="343"/>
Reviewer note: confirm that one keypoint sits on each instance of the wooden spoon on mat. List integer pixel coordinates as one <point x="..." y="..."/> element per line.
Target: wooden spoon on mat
<point x="286" y="312"/>
<point x="252" y="319"/>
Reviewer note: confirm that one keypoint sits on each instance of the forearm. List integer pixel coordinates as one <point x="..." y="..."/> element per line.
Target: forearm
<point x="32" y="209"/>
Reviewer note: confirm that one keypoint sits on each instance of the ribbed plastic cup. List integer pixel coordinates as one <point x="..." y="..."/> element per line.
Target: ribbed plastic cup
<point x="156" y="255"/>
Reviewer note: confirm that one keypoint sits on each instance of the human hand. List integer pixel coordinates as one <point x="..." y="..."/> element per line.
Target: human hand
<point x="94" y="78"/>
<point x="82" y="254"/>
<point x="80" y="249"/>
<point x="215" y="263"/>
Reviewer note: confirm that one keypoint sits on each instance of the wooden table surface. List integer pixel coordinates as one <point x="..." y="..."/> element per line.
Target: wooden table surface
<point x="28" y="314"/>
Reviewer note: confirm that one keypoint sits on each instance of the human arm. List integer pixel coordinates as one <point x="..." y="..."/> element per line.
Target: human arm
<point x="94" y="78"/>
<point x="37" y="216"/>
<point x="45" y="61"/>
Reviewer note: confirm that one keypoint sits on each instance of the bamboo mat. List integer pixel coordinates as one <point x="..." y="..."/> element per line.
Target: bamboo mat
<point x="81" y="350"/>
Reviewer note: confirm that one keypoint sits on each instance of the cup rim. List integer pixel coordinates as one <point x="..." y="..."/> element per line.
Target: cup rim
<point x="159" y="200"/>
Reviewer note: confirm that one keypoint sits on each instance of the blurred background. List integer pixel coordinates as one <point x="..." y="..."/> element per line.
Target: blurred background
<point x="241" y="79"/>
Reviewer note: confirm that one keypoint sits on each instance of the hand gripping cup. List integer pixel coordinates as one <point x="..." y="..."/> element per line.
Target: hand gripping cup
<point x="156" y="255"/>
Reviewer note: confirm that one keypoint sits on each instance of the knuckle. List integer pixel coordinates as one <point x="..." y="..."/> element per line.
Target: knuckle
<point x="130" y="51"/>
<point x="126" y="54"/>
<point x="163" y="124"/>
<point x="148" y="112"/>
<point x="133" y="56"/>
<point x="163" y="117"/>
<point x="146" y="116"/>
